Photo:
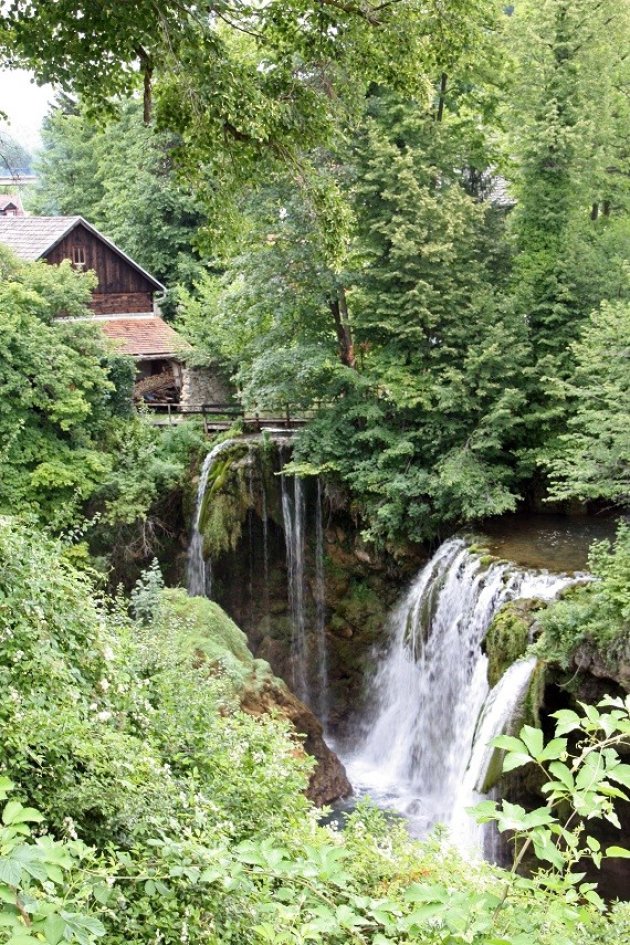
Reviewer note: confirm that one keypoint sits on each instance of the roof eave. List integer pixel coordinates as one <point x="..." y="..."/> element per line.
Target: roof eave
<point x="75" y="221"/>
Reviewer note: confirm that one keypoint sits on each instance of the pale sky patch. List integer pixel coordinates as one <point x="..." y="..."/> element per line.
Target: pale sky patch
<point x="25" y="105"/>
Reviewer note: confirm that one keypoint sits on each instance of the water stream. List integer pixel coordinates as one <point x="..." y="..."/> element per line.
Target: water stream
<point x="293" y="516"/>
<point x="323" y="708"/>
<point x="199" y="572"/>
<point x="422" y="748"/>
<point x="421" y="752"/>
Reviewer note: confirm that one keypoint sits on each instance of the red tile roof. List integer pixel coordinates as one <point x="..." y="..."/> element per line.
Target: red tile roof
<point x="144" y="336"/>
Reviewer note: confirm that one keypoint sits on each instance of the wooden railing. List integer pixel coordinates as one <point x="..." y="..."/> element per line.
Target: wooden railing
<point x="219" y="417"/>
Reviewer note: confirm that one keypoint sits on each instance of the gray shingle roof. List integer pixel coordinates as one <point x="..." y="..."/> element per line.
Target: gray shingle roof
<point x="31" y="237"/>
<point x="7" y="200"/>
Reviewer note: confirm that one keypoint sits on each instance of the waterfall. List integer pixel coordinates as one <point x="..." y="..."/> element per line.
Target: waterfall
<point x="250" y="533"/>
<point x="199" y="573"/>
<point x="320" y="613"/>
<point x="499" y="713"/>
<point x="499" y="709"/>
<point x="431" y="685"/>
<point x="293" y="516"/>
<point x="265" y="526"/>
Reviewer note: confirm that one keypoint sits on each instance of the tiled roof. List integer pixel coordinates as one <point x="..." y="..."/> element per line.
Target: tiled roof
<point x="143" y="335"/>
<point x="30" y="237"/>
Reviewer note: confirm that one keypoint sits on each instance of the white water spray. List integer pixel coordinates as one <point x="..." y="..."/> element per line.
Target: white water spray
<point x="199" y="572"/>
<point x="323" y="708"/>
<point x="431" y="686"/>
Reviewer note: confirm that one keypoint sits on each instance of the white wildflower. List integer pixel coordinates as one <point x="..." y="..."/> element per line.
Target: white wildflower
<point x="70" y="828"/>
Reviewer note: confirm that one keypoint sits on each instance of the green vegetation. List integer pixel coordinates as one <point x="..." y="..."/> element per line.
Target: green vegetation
<point x="70" y="446"/>
<point x="409" y="221"/>
<point x="434" y="327"/>
<point x="597" y="613"/>
<point x="127" y="733"/>
<point x="593" y="459"/>
<point x="120" y="177"/>
<point x="427" y="251"/>
<point x="509" y="635"/>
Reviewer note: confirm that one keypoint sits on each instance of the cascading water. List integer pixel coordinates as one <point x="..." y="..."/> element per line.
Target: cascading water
<point x="432" y="684"/>
<point x="199" y="572"/>
<point x="320" y="614"/>
<point x="293" y="515"/>
<point x="500" y="708"/>
<point x="250" y="534"/>
<point x="265" y="527"/>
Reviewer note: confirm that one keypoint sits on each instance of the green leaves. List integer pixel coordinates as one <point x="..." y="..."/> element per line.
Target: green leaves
<point x="621" y="853"/>
<point x="15" y="813"/>
<point x="529" y="747"/>
<point x="32" y="904"/>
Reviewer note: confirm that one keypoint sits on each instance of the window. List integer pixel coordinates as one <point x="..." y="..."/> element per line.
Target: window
<point x="78" y="256"/>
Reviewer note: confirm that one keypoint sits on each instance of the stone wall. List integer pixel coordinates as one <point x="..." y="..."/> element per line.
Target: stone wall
<point x="204" y="385"/>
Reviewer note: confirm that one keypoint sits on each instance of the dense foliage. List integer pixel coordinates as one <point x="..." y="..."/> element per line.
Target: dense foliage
<point x="120" y="177"/>
<point x="127" y="733"/>
<point x="593" y="457"/>
<point x="410" y="253"/>
<point x="70" y="446"/>
<point x="431" y="313"/>
<point x="596" y="613"/>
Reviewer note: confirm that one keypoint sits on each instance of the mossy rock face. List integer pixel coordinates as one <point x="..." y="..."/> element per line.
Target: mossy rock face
<point x="243" y="527"/>
<point x="207" y="634"/>
<point x="509" y="635"/>
<point x="228" y="498"/>
<point x="207" y="631"/>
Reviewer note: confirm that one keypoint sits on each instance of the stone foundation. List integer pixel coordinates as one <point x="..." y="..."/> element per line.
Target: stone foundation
<point x="204" y="385"/>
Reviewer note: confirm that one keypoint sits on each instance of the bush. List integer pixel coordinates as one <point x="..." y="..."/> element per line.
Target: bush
<point x="598" y="612"/>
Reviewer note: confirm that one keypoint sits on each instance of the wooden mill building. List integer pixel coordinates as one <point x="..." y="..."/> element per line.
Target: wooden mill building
<point x="124" y="302"/>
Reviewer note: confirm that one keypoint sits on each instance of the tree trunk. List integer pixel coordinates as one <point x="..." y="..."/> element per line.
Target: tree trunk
<point x="440" y="109"/>
<point x="146" y="68"/>
<point x="339" y="308"/>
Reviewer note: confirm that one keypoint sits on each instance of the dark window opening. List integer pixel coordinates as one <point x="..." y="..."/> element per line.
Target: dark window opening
<point x="78" y="256"/>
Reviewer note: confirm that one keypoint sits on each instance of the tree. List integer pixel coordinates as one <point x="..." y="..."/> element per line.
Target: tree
<point x="14" y="158"/>
<point x="592" y="459"/>
<point x="246" y="85"/>
<point x="55" y="390"/>
<point x="120" y="176"/>
<point x="423" y="382"/>
<point x="440" y="355"/>
<point x="567" y="135"/>
<point x="69" y="442"/>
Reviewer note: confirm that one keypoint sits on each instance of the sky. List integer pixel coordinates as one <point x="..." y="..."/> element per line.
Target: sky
<point x="25" y="105"/>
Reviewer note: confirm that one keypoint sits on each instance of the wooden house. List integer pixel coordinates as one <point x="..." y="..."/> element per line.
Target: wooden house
<point x="11" y="205"/>
<point x="124" y="301"/>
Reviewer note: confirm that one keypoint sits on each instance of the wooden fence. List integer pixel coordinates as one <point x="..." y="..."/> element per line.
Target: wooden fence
<point x="219" y="417"/>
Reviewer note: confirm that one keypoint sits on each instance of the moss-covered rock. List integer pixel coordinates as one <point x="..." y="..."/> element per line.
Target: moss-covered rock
<point x="208" y="634"/>
<point x="509" y="635"/>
